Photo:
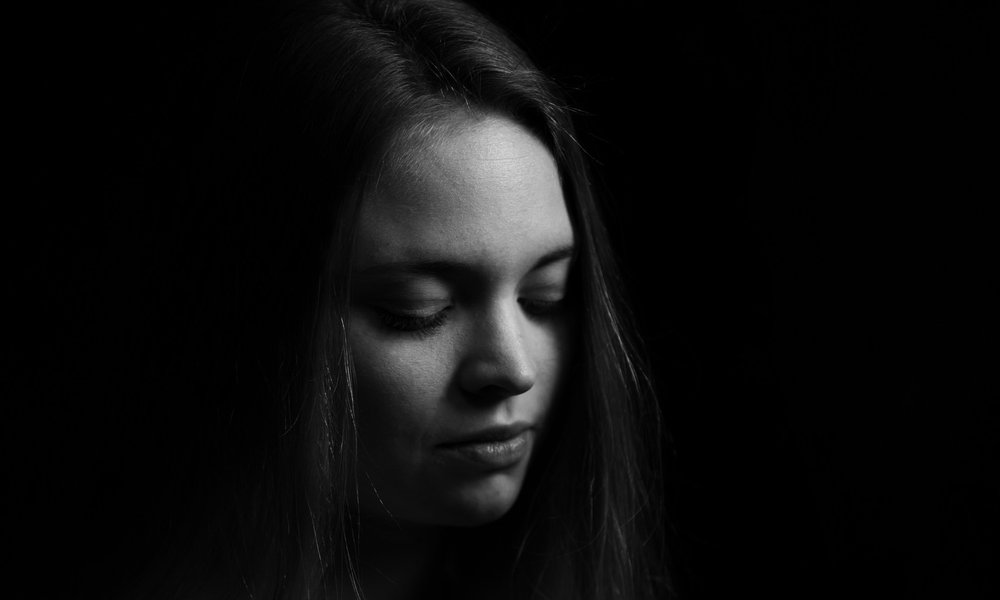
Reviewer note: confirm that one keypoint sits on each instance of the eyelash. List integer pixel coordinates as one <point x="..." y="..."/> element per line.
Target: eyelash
<point x="427" y="324"/>
<point x="542" y="308"/>
<point x="412" y="324"/>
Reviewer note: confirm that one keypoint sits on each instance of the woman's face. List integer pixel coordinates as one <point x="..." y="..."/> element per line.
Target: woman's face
<point x="458" y="325"/>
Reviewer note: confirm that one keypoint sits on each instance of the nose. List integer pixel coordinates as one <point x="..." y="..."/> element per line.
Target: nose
<point x="498" y="362"/>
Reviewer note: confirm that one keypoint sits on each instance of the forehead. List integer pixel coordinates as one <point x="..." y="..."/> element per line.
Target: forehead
<point x="483" y="191"/>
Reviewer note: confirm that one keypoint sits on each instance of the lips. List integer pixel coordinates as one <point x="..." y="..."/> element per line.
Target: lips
<point x="493" y="448"/>
<point x="497" y="433"/>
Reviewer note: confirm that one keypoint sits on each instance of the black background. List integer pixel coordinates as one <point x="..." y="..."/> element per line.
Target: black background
<point x="800" y="194"/>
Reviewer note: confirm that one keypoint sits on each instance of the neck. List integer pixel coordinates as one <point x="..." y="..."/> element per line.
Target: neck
<point x="396" y="560"/>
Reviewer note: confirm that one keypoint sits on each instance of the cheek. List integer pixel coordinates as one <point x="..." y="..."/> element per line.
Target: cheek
<point x="563" y="368"/>
<point x="556" y="355"/>
<point x="401" y="384"/>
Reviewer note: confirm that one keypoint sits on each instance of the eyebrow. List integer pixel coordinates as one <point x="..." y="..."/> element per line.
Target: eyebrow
<point x="449" y="267"/>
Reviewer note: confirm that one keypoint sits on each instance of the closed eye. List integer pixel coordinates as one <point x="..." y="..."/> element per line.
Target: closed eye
<point x="412" y="323"/>
<point x="539" y="307"/>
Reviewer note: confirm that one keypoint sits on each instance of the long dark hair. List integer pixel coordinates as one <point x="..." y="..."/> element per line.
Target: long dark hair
<point x="309" y="122"/>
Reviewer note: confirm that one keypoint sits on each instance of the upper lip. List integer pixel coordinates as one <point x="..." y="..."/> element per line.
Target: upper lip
<point x="497" y="433"/>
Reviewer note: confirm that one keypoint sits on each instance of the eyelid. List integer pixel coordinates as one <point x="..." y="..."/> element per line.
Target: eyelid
<point x="541" y="308"/>
<point x="553" y="275"/>
<point x="543" y="292"/>
<point x="407" y="285"/>
<point x="411" y="307"/>
<point x="545" y="289"/>
<point x="412" y="324"/>
<point x="405" y="295"/>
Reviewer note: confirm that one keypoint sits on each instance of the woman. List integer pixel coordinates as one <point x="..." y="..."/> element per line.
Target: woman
<point x="419" y="357"/>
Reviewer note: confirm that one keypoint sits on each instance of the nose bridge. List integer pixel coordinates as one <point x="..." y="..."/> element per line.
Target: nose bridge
<point x="500" y="358"/>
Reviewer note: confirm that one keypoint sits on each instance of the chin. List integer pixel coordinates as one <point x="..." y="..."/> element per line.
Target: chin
<point x="482" y="501"/>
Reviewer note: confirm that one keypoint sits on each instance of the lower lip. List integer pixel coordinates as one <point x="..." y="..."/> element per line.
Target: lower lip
<point x="490" y="455"/>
